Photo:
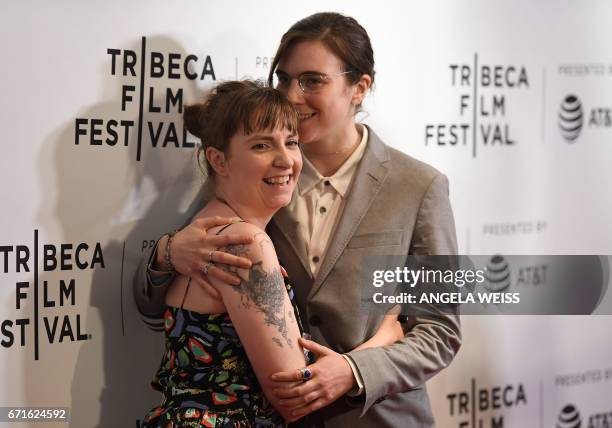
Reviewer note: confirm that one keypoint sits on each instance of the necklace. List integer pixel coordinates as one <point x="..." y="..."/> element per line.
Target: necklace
<point x="223" y="201"/>
<point x="337" y="152"/>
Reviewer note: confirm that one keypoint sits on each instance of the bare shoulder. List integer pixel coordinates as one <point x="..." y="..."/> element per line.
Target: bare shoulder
<point x="261" y="250"/>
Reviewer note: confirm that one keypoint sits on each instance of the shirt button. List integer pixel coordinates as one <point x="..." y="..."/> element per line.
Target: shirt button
<point x="327" y="183"/>
<point x="314" y="320"/>
<point x="322" y="210"/>
<point x="315" y="259"/>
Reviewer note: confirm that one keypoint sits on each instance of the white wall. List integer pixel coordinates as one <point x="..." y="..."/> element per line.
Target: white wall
<point x="539" y="195"/>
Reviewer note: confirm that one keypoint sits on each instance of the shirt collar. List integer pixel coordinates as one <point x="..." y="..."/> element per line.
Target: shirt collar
<point x="341" y="179"/>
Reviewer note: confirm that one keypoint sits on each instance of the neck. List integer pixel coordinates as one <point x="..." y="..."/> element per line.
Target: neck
<point x="327" y="156"/>
<point x="231" y="207"/>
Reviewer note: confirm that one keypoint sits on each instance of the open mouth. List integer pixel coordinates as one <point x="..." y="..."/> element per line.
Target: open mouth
<point x="280" y="180"/>
<point x="304" y="116"/>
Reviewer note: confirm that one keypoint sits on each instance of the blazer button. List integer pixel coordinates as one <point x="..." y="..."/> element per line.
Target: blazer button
<point x="314" y="320"/>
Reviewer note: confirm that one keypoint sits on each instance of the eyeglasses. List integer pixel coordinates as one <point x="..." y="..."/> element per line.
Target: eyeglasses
<point x="310" y="83"/>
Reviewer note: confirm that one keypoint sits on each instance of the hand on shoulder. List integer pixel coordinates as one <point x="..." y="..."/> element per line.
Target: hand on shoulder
<point x="260" y="250"/>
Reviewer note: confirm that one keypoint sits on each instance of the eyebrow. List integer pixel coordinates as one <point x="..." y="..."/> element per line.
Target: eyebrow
<point x="266" y="138"/>
<point x="260" y="137"/>
<point x="279" y="71"/>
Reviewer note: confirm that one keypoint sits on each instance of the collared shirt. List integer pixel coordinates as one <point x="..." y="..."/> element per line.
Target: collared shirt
<point x="321" y="201"/>
<point x="318" y="208"/>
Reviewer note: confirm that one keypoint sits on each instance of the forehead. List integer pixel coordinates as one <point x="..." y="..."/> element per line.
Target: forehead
<point x="310" y="55"/>
<point x="278" y="133"/>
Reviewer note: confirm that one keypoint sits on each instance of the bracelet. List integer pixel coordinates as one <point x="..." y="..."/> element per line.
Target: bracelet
<point x="168" y="266"/>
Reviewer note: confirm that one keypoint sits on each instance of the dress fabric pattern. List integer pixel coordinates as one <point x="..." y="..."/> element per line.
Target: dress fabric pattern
<point x="206" y="377"/>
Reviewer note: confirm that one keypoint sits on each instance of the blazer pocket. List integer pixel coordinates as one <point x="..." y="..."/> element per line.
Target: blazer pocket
<point x="377" y="239"/>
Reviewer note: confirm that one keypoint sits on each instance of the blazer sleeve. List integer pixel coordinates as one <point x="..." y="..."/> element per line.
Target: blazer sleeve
<point x="150" y="289"/>
<point x="150" y="286"/>
<point x="432" y="337"/>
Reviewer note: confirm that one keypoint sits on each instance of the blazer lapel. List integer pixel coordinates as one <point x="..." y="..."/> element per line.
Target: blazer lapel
<point x="367" y="182"/>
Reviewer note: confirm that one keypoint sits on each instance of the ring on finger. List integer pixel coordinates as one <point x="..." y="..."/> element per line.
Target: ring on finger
<point x="210" y="255"/>
<point x="206" y="267"/>
<point x="305" y="373"/>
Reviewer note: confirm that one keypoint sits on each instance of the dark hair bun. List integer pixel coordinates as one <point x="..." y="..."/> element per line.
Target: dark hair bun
<point x="192" y="119"/>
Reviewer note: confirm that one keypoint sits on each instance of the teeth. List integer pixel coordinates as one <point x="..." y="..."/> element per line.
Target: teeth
<point x="278" y="180"/>
<point x="303" y="116"/>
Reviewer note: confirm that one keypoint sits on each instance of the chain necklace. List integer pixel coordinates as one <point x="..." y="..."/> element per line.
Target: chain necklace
<point x="337" y="152"/>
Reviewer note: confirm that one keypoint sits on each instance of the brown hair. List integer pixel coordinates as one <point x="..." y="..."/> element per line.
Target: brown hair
<point x="235" y="106"/>
<point x="343" y="35"/>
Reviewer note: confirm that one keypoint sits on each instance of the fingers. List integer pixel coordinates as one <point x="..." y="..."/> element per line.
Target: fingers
<point x="314" y="347"/>
<point x="286" y="385"/>
<point x="296" y="392"/>
<point x="221" y="275"/>
<point x="210" y="243"/>
<point x="219" y="256"/>
<point x="219" y="241"/>
<point x="292" y="376"/>
<point x="299" y="401"/>
<point x="230" y="239"/>
<point x="210" y="222"/>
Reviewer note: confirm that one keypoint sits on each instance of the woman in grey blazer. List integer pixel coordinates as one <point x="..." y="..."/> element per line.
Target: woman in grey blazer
<point x="357" y="197"/>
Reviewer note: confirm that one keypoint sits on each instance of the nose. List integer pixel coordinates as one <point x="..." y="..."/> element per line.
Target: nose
<point x="283" y="159"/>
<point x="294" y="92"/>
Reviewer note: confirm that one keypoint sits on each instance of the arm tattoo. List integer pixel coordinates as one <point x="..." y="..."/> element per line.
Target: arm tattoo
<point x="263" y="290"/>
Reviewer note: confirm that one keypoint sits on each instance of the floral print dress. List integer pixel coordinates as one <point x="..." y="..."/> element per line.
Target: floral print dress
<point x="205" y="375"/>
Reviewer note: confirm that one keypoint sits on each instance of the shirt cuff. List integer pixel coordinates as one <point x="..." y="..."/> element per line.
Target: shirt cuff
<point x="359" y="388"/>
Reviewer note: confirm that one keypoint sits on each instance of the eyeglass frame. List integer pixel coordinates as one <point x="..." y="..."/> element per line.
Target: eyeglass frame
<point x="309" y="73"/>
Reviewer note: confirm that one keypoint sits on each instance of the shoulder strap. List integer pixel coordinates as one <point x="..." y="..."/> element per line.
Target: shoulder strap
<point x="228" y="225"/>
<point x="186" y="291"/>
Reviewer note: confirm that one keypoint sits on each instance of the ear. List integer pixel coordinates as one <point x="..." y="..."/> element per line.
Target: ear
<point x="361" y="89"/>
<point x="216" y="159"/>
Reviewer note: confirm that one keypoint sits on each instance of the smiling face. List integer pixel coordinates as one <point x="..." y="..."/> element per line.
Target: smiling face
<point x="259" y="173"/>
<point x="327" y="114"/>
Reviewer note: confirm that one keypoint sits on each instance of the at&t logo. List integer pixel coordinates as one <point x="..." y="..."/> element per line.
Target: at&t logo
<point x="574" y="119"/>
<point x="497" y="274"/>
<point x="570" y="118"/>
<point x="569" y="417"/>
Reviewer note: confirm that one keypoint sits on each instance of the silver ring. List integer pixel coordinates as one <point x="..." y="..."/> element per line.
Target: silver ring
<point x="210" y="255"/>
<point x="206" y="267"/>
<point x="306" y="373"/>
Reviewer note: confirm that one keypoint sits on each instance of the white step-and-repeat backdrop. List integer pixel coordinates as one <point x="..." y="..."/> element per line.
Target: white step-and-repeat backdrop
<point x="512" y="100"/>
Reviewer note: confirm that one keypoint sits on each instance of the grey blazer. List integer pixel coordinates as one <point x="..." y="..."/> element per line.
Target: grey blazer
<point x="397" y="206"/>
